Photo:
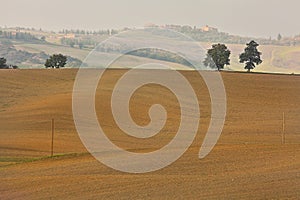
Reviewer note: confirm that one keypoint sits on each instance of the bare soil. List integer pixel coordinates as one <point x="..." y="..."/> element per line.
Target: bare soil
<point x="249" y="161"/>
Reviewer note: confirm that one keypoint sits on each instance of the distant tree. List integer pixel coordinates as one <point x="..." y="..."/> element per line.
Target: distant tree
<point x="2" y="62"/>
<point x="3" y="65"/>
<point x="56" y="61"/>
<point x="80" y="45"/>
<point x="217" y="56"/>
<point x="279" y="37"/>
<point x="251" y="56"/>
<point x="72" y="43"/>
<point x="113" y="32"/>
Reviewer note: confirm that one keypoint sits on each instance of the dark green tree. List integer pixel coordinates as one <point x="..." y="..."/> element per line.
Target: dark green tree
<point x="217" y="56"/>
<point x="2" y="62"/>
<point x="251" y="56"/>
<point x="56" y="61"/>
<point x="279" y="37"/>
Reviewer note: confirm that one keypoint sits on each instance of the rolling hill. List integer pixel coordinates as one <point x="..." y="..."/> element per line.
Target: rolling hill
<point x="249" y="160"/>
<point x="276" y="59"/>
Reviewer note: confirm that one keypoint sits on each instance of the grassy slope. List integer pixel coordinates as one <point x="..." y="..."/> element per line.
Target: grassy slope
<point x="280" y="59"/>
<point x="248" y="162"/>
<point x="52" y="48"/>
<point x="125" y="61"/>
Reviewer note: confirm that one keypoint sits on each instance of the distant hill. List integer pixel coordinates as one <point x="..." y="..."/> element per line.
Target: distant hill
<point x="28" y="59"/>
<point x="29" y="48"/>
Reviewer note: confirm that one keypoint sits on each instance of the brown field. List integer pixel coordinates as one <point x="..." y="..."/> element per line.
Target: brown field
<point x="249" y="161"/>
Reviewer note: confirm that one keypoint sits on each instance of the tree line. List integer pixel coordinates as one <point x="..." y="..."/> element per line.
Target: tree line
<point x="81" y="43"/>
<point x="86" y="32"/>
<point x="216" y="36"/>
<point x="213" y="35"/>
<point x="24" y="36"/>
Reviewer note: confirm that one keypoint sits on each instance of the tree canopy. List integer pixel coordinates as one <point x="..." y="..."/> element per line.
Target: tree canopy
<point x="2" y="62"/>
<point x="56" y="61"/>
<point x="217" y="56"/>
<point x="251" y="56"/>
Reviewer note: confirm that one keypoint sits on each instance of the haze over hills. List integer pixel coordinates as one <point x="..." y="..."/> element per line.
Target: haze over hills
<point x="29" y="48"/>
<point x="187" y="99"/>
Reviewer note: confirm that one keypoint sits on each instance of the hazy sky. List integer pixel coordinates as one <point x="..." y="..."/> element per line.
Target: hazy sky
<point x="245" y="17"/>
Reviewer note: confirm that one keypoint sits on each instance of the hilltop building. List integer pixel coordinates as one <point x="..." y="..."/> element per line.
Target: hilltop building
<point x="208" y="29"/>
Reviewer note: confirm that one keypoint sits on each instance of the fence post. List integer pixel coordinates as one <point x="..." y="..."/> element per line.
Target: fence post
<point x="52" y="137"/>
<point x="283" y="129"/>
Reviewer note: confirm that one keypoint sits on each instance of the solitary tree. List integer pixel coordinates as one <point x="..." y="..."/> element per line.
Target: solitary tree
<point x="251" y="56"/>
<point x="217" y="56"/>
<point x="2" y="62"/>
<point x="56" y="61"/>
<point x="279" y="37"/>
